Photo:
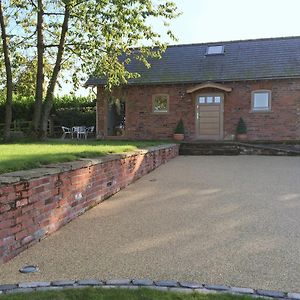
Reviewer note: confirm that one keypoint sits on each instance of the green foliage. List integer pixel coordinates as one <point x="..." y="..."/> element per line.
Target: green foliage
<point x="22" y="108"/>
<point x="25" y="77"/>
<point x="99" y="32"/>
<point x="180" y="127"/>
<point x="241" y="127"/>
<point x="67" y="110"/>
<point x="125" y="294"/>
<point x="74" y="117"/>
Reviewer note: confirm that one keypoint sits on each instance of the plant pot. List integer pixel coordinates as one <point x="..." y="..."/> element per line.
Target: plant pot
<point x="241" y="136"/>
<point x="178" y="137"/>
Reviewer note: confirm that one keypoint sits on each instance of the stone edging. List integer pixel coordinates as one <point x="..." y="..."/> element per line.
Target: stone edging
<point x="162" y="285"/>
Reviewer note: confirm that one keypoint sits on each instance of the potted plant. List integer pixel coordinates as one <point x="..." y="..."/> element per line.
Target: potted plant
<point x="179" y="131"/>
<point x="241" y="130"/>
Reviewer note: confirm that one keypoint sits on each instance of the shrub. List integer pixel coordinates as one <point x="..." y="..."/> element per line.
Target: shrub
<point x="241" y="127"/>
<point x="179" y="128"/>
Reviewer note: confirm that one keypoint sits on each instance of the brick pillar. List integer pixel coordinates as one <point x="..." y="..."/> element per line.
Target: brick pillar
<point x="101" y="124"/>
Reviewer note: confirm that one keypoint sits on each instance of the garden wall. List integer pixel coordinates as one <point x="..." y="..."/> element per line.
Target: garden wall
<point x="35" y="203"/>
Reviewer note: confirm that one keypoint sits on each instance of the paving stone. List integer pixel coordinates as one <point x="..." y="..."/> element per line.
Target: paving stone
<point x="294" y="296"/>
<point x="34" y="284"/>
<point x="191" y="285"/>
<point x="167" y="283"/>
<point x="118" y="282"/>
<point x="6" y="287"/>
<point x="108" y="287"/>
<point x="204" y="291"/>
<point x="142" y="282"/>
<point x="63" y="282"/>
<point x="276" y="294"/>
<point x="157" y="288"/>
<point x="49" y="288"/>
<point x="20" y="290"/>
<point x="90" y="282"/>
<point x="242" y="290"/>
<point x="217" y="287"/>
<point x="181" y="290"/>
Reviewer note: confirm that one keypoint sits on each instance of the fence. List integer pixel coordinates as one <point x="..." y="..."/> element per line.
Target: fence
<point x="25" y="127"/>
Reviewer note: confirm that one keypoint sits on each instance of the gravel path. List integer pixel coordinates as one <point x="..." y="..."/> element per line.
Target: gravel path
<point x="216" y="220"/>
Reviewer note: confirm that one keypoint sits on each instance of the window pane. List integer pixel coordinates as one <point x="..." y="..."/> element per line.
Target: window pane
<point x="261" y="101"/>
<point x="160" y="103"/>
<point x="215" y="50"/>
<point x="209" y="99"/>
<point x="201" y="99"/>
<point x="217" y="99"/>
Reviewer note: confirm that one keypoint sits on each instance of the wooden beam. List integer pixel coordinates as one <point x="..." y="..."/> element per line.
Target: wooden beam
<point x="209" y="85"/>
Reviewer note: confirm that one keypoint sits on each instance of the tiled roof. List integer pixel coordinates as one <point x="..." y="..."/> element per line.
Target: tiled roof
<point x="242" y="60"/>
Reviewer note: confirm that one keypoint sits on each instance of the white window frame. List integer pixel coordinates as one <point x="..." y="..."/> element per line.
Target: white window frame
<point x="153" y="104"/>
<point x="261" y="109"/>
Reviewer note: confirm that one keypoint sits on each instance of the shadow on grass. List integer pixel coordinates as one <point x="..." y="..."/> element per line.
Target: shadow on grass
<point x="89" y="142"/>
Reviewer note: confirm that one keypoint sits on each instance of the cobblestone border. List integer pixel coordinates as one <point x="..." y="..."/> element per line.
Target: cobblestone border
<point x="160" y="285"/>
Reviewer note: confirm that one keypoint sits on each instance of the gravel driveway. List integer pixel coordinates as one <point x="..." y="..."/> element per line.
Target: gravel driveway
<point x="220" y="220"/>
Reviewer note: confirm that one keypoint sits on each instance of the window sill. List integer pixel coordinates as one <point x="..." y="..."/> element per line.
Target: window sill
<point x="160" y="113"/>
<point x="261" y="111"/>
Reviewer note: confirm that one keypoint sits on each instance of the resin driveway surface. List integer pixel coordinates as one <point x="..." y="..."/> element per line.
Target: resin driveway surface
<point x="220" y="220"/>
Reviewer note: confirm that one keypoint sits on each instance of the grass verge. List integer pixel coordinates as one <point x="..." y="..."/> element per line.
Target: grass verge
<point x="28" y="155"/>
<point x="118" y="294"/>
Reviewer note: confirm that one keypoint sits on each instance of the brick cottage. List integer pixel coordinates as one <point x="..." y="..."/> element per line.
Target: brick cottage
<point x="210" y="87"/>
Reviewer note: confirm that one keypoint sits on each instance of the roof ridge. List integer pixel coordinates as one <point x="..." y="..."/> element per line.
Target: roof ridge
<point x="236" y="41"/>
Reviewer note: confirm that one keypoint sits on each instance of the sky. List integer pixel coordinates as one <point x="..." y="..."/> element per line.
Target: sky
<point x="225" y="20"/>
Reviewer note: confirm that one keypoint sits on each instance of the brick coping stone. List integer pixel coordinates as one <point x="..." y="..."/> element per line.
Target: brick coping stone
<point x="52" y="169"/>
<point x="159" y="285"/>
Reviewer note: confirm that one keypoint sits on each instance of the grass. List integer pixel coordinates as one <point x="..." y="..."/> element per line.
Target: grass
<point x="118" y="294"/>
<point x="27" y="155"/>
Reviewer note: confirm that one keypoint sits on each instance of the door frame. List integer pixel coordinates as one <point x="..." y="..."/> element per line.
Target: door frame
<point x="221" y="133"/>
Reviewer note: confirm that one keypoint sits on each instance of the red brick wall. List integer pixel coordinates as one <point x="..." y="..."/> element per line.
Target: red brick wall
<point x="282" y="123"/>
<point x="32" y="209"/>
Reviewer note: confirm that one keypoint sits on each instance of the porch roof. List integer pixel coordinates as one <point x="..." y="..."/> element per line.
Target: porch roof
<point x="213" y="85"/>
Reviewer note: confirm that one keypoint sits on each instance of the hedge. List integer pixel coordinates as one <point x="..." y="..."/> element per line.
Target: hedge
<point x="67" y="110"/>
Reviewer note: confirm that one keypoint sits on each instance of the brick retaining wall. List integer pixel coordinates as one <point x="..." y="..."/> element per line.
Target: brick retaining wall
<point x="35" y="203"/>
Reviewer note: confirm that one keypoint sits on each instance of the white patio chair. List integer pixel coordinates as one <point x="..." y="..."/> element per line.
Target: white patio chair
<point x="89" y="130"/>
<point x="66" y="131"/>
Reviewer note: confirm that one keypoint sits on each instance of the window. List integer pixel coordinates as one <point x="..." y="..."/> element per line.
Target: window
<point x="214" y="50"/>
<point x="160" y="103"/>
<point x="209" y="100"/>
<point x="261" y="100"/>
<point x="217" y="99"/>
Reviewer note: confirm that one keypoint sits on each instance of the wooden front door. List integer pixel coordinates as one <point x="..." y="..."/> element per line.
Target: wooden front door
<point x="209" y="116"/>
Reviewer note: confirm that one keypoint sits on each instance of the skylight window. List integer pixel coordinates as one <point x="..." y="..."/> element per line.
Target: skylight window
<point x="214" y="50"/>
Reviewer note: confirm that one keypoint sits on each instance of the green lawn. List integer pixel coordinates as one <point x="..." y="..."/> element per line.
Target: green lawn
<point x="28" y="155"/>
<point x="118" y="294"/>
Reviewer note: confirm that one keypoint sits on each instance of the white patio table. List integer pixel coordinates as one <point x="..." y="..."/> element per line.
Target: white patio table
<point x="79" y="131"/>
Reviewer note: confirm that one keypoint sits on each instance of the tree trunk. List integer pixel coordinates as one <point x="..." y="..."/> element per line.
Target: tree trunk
<point x="48" y="103"/>
<point x="40" y="66"/>
<point x="9" y="84"/>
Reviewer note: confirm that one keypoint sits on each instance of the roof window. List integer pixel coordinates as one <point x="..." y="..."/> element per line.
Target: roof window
<point x="215" y="50"/>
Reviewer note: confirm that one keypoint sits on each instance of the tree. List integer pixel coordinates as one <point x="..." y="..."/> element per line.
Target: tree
<point x="24" y="83"/>
<point x="96" y="37"/>
<point x="8" y="71"/>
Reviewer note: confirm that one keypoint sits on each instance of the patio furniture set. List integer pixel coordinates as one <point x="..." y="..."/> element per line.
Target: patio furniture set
<point x="77" y="131"/>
